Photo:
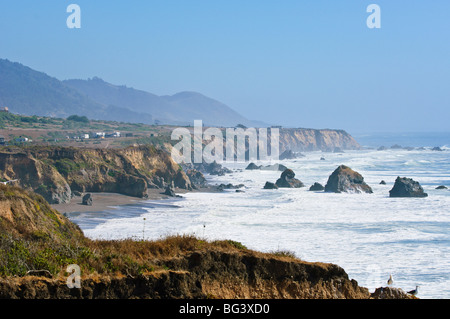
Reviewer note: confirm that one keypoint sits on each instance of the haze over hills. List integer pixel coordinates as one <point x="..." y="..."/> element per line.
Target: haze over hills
<point x="181" y="108"/>
<point x="29" y="92"/>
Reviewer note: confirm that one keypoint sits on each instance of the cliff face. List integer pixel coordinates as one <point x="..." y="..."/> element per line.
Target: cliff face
<point x="56" y="172"/>
<point x="204" y="274"/>
<point x="300" y="140"/>
<point x="26" y="215"/>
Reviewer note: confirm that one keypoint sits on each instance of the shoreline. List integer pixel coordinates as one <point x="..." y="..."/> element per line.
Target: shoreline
<point x="107" y="201"/>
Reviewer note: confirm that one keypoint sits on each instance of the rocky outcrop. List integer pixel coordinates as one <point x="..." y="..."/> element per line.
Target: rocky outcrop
<point x="289" y="154"/>
<point x="407" y="187"/>
<point x="390" y="293"/>
<point x="222" y="187"/>
<point x="346" y="180"/>
<point x="54" y="172"/>
<point x="288" y="180"/>
<point x="87" y="200"/>
<point x="270" y="185"/>
<point x="197" y="178"/>
<point x="273" y="167"/>
<point x="252" y="167"/>
<point x="170" y="191"/>
<point x="213" y="168"/>
<point x="442" y="187"/>
<point x="317" y="187"/>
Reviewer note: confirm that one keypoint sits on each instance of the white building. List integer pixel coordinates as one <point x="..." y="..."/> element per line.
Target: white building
<point x="100" y="135"/>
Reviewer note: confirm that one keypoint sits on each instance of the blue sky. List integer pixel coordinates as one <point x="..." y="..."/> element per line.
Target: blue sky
<point x="289" y="62"/>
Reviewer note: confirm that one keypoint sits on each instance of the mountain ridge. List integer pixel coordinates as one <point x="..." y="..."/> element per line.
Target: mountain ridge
<point x="180" y="108"/>
<point x="29" y="92"/>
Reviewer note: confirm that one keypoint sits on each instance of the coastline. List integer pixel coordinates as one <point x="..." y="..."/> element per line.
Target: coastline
<point x="107" y="201"/>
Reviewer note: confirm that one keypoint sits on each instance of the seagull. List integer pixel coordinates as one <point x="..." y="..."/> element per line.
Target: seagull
<point x="415" y="291"/>
<point x="6" y="183"/>
<point x="390" y="281"/>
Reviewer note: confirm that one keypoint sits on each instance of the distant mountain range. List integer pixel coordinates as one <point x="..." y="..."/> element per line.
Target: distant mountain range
<point x="29" y="92"/>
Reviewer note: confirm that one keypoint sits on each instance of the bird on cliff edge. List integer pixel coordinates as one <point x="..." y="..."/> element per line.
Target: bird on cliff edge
<point x="390" y="280"/>
<point x="7" y="182"/>
<point x="415" y="291"/>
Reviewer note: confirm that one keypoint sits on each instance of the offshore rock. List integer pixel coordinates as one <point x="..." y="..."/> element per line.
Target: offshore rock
<point x="346" y="180"/>
<point x="317" y="187"/>
<point x="407" y="187"/>
<point x="270" y="185"/>
<point x="288" y="180"/>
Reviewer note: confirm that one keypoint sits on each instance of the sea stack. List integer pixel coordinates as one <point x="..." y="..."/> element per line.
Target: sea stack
<point x="288" y="180"/>
<point x="346" y="180"/>
<point x="407" y="187"/>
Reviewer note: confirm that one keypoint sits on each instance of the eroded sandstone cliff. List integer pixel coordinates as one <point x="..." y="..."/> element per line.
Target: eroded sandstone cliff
<point x="300" y="140"/>
<point x="54" y="172"/>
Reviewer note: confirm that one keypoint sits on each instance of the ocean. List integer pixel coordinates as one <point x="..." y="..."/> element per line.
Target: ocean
<point x="369" y="235"/>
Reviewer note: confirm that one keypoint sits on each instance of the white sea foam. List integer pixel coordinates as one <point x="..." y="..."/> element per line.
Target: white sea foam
<point x="369" y="235"/>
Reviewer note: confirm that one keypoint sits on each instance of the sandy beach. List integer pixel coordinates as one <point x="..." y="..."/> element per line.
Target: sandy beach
<point x="104" y="201"/>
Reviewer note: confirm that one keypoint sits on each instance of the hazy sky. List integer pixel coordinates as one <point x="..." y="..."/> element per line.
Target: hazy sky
<point x="295" y="63"/>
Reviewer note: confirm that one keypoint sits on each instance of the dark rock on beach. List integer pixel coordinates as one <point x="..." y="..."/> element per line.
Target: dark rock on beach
<point x="344" y="179"/>
<point x="382" y="183"/>
<point x="442" y="187"/>
<point x="87" y="200"/>
<point x="213" y="168"/>
<point x="317" y="187"/>
<point x="197" y="178"/>
<point x="288" y="180"/>
<point x="170" y="191"/>
<point x="407" y="187"/>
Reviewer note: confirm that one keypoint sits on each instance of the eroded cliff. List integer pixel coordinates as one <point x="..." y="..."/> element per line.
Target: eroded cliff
<point x="54" y="172"/>
<point x="300" y="140"/>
